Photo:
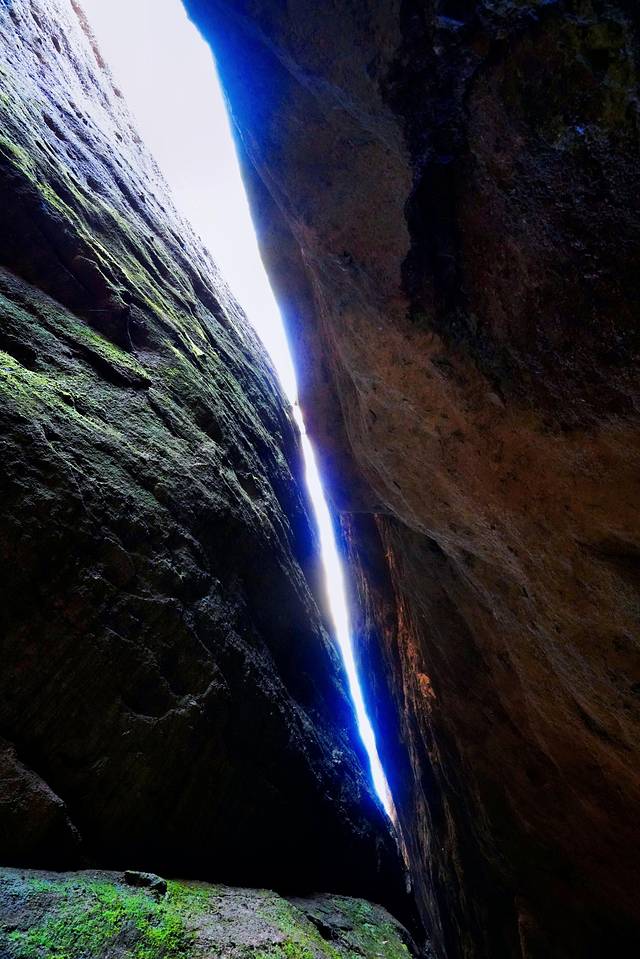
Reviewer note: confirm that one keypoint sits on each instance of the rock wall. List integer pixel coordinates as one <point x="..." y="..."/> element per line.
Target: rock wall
<point x="169" y="698"/>
<point x="447" y="197"/>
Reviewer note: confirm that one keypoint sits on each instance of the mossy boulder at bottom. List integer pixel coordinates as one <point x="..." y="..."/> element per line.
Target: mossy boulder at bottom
<point x="101" y="915"/>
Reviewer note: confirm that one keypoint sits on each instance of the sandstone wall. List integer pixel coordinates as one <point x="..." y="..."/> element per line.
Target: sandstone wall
<point x="447" y="197"/>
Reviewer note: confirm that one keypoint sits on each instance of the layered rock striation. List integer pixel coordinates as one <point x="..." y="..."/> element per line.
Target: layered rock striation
<point x="169" y="698"/>
<point x="447" y="197"/>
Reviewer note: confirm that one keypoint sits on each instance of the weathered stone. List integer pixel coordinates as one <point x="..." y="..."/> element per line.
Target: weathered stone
<point x="96" y="916"/>
<point x="34" y="822"/>
<point x="447" y="194"/>
<point x="145" y="880"/>
<point x="173" y="697"/>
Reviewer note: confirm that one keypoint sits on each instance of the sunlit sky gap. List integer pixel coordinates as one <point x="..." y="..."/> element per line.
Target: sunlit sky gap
<point x="168" y="77"/>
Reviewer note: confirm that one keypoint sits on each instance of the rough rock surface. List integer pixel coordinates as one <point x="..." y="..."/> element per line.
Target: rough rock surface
<point x="448" y="197"/>
<point x="168" y="695"/>
<point x="97" y="915"/>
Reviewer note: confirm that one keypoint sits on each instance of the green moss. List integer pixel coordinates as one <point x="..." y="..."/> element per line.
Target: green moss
<point x="117" y="242"/>
<point x="368" y="931"/>
<point x="98" y="915"/>
<point x="100" y="346"/>
<point x="288" y="950"/>
<point x="25" y="389"/>
<point x="303" y="941"/>
<point x="192" y="898"/>
<point x="16" y="154"/>
<point x="372" y="932"/>
<point x="49" y="886"/>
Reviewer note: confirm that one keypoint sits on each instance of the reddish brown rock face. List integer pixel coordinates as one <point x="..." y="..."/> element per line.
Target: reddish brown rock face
<point x="447" y="196"/>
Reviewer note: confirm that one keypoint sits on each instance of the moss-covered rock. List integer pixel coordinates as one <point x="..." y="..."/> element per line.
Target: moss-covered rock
<point x="168" y="693"/>
<point x="91" y="915"/>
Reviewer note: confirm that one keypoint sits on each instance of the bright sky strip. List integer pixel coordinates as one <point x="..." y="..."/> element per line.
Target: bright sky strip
<point x="168" y="77"/>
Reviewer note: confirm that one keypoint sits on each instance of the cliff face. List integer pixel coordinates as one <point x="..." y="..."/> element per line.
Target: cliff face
<point x="168" y="695"/>
<point x="447" y="196"/>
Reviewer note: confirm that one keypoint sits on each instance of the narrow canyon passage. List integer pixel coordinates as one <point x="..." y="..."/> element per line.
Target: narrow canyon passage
<point x="319" y="583"/>
<point x="447" y="194"/>
<point x="168" y="78"/>
<point x="171" y="698"/>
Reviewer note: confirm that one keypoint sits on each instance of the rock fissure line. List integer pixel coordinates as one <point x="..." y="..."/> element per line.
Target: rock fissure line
<point x="170" y="697"/>
<point x="446" y="194"/>
<point x="106" y="22"/>
<point x="446" y="197"/>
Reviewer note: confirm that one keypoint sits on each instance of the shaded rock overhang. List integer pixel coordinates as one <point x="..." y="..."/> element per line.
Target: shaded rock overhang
<point x="446" y="195"/>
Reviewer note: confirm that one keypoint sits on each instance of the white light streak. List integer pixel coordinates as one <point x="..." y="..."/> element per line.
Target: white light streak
<point x="168" y="77"/>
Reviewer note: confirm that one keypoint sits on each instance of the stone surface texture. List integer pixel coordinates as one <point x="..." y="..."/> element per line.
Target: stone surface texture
<point x="169" y="697"/>
<point x="97" y="915"/>
<point x="447" y="195"/>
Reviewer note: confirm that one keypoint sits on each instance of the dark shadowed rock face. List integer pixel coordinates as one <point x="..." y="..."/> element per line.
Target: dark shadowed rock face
<point x="447" y="194"/>
<point x="169" y="698"/>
